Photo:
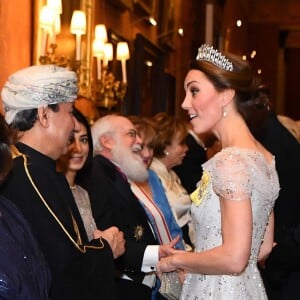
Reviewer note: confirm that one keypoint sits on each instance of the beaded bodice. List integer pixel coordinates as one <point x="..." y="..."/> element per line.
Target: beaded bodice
<point x="234" y="174"/>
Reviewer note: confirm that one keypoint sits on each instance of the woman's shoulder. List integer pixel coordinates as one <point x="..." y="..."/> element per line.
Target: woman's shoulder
<point x="226" y="156"/>
<point x="236" y="160"/>
<point x="241" y="155"/>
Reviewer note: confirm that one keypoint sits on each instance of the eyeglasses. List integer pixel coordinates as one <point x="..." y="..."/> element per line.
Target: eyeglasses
<point x="133" y="133"/>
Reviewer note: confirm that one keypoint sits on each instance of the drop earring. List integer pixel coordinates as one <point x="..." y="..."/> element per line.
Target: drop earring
<point x="224" y="112"/>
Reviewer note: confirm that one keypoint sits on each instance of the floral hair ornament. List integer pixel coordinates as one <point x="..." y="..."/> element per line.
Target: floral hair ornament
<point x="209" y="54"/>
<point x="198" y="195"/>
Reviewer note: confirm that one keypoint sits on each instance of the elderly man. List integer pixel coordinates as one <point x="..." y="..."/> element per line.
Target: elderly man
<point x="117" y="159"/>
<point x="38" y="101"/>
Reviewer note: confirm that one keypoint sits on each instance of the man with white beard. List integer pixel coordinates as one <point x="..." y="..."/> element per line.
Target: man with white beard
<point x="117" y="159"/>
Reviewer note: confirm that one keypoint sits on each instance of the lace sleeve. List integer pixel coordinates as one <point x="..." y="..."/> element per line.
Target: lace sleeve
<point x="231" y="176"/>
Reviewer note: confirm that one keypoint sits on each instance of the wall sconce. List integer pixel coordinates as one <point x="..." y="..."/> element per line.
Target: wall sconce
<point x="78" y="27"/>
<point x="108" y="91"/>
<point x="150" y="19"/>
<point x="101" y="86"/>
<point x="180" y="31"/>
<point x="49" y="23"/>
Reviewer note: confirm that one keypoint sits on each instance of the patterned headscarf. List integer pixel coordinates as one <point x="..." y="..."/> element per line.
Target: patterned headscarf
<point x="37" y="86"/>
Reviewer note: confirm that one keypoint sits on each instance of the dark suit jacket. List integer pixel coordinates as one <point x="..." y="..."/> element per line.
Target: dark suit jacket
<point x="282" y="274"/>
<point x="75" y="275"/>
<point x="190" y="171"/>
<point x="114" y="204"/>
<point x="20" y="278"/>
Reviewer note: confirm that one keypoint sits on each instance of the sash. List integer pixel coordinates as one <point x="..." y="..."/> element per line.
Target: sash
<point x="155" y="215"/>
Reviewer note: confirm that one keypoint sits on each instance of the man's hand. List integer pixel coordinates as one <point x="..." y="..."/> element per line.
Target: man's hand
<point x="115" y="239"/>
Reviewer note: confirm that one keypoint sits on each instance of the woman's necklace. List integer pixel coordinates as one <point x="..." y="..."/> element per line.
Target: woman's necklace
<point x="73" y="187"/>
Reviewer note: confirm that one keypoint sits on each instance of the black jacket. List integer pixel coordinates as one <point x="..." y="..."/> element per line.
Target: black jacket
<point x="75" y="275"/>
<point x="114" y="204"/>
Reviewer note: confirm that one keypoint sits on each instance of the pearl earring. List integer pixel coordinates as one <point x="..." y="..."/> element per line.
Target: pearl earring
<point x="224" y="113"/>
<point x="166" y="153"/>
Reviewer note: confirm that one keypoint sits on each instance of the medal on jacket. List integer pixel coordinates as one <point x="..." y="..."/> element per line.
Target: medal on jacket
<point x="138" y="232"/>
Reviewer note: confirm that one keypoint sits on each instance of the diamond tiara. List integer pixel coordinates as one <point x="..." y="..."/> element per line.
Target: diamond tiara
<point x="208" y="53"/>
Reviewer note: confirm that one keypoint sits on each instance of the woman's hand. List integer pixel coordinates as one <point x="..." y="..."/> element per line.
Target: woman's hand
<point x="165" y="265"/>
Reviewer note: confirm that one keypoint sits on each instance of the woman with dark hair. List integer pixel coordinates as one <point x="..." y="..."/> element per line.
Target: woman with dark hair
<point x="24" y="273"/>
<point x="77" y="159"/>
<point x="232" y="206"/>
<point x="84" y="121"/>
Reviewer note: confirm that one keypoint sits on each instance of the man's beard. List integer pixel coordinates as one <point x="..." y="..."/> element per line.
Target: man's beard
<point x="130" y="163"/>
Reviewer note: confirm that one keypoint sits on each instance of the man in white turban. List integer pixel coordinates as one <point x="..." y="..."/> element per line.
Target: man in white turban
<point x="38" y="102"/>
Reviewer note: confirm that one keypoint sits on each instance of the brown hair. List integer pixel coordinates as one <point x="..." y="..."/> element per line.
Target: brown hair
<point x="241" y="79"/>
<point x="166" y="126"/>
<point x="144" y="125"/>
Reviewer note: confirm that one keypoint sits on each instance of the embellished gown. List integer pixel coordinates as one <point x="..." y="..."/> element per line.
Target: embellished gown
<point x="235" y="174"/>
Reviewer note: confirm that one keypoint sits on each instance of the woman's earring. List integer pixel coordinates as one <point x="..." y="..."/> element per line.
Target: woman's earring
<point x="224" y="113"/>
<point x="166" y="153"/>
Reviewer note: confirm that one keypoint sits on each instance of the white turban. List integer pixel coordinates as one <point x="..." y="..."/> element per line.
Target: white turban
<point x="37" y="86"/>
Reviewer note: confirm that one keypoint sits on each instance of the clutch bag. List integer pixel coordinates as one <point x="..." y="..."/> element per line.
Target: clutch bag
<point x="170" y="286"/>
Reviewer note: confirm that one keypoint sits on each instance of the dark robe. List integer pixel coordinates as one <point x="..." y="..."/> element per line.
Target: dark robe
<point x="24" y="273"/>
<point x="75" y="275"/>
<point x="190" y="170"/>
<point x="282" y="273"/>
<point x="114" y="204"/>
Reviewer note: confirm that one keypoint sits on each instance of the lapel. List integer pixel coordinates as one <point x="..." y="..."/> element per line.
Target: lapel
<point x="126" y="197"/>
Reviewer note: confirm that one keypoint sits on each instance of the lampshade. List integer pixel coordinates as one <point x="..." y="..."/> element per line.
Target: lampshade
<point x="103" y="85"/>
<point x="78" y="22"/>
<point x="108" y="51"/>
<point x="101" y="33"/>
<point x="47" y="16"/>
<point x="122" y="51"/>
<point x="57" y="24"/>
<point x="55" y="5"/>
<point x="98" y="48"/>
<point x="180" y="31"/>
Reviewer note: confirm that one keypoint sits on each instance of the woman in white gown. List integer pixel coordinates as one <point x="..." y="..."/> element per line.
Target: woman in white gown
<point x="232" y="206"/>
